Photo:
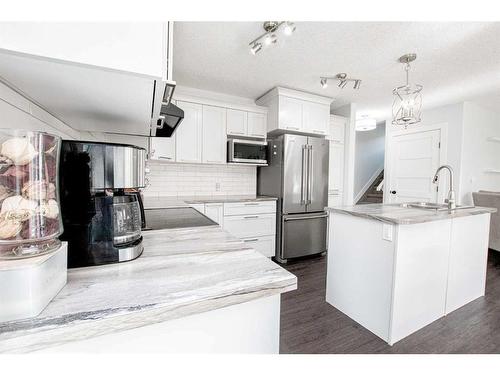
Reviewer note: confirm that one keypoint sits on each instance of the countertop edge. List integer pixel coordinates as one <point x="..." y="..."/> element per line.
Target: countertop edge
<point x="410" y="221"/>
<point x="77" y="331"/>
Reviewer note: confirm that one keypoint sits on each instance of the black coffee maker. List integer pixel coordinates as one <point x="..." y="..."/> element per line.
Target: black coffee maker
<point x="101" y="206"/>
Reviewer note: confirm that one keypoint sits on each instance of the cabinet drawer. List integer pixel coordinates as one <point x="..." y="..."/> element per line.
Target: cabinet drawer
<point x="246" y="208"/>
<point x="249" y="226"/>
<point x="265" y="245"/>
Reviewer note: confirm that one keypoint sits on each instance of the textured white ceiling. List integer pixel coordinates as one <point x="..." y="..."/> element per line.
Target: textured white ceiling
<point x="456" y="61"/>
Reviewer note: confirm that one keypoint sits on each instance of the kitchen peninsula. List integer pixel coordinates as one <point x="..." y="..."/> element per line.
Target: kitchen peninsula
<point x="395" y="268"/>
<point x="193" y="290"/>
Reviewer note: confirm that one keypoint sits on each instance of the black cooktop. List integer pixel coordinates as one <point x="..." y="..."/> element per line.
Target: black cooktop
<point x="179" y="217"/>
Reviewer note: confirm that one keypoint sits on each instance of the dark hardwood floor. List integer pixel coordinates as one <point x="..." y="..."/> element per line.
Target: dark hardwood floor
<point x="310" y="325"/>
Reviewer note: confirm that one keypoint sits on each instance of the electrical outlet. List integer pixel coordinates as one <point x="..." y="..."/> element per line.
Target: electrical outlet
<point x="217" y="186"/>
<point x="387" y="232"/>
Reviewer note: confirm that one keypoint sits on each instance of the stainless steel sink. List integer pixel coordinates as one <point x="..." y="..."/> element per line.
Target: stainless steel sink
<point x="432" y="206"/>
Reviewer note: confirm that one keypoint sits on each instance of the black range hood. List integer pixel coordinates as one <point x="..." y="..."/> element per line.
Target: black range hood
<point x="170" y="118"/>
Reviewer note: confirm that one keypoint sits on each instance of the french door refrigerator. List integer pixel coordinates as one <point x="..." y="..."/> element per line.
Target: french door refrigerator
<point x="298" y="175"/>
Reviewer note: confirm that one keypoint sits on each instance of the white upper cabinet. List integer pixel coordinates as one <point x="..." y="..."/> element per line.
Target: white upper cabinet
<point x="290" y="114"/>
<point x="162" y="148"/>
<point x="134" y="47"/>
<point x="237" y="122"/>
<point x="246" y="124"/>
<point x="337" y="128"/>
<point x="214" y="135"/>
<point x="257" y="125"/>
<point x="316" y="117"/>
<point x="188" y="136"/>
<point x="101" y="77"/>
<point x="296" y="111"/>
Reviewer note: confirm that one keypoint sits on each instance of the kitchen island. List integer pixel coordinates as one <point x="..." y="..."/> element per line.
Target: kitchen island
<point x="395" y="268"/>
<point x="192" y="290"/>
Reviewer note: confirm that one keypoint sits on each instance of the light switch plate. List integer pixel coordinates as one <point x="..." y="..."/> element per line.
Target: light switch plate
<point x="387" y="232"/>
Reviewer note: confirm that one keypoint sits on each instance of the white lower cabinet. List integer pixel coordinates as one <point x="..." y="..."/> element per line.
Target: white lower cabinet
<point x="215" y="212"/>
<point x="249" y="226"/>
<point x="253" y="222"/>
<point x="265" y="245"/>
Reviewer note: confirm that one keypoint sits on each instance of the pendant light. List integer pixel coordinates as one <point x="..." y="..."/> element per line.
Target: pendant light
<point x="407" y="105"/>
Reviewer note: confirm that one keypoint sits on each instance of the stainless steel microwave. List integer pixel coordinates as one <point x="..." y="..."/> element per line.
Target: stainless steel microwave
<point x="246" y="151"/>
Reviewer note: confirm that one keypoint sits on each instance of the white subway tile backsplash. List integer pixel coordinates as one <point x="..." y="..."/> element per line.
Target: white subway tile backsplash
<point x="200" y="180"/>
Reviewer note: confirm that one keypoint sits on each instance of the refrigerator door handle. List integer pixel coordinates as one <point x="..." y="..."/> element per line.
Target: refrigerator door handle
<point x="303" y="193"/>
<point x="310" y="173"/>
<point x="305" y="217"/>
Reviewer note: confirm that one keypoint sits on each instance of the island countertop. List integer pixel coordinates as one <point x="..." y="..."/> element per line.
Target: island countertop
<point x="181" y="272"/>
<point x="400" y="215"/>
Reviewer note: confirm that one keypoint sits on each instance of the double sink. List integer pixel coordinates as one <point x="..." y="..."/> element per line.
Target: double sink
<point x="432" y="206"/>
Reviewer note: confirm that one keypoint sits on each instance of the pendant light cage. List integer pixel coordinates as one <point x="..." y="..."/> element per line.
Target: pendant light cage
<point x="407" y="104"/>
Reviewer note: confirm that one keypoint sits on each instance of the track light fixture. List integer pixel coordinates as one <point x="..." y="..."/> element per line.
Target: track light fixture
<point x="343" y="80"/>
<point x="270" y="36"/>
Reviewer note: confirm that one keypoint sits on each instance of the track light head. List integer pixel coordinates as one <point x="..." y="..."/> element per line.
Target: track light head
<point x="255" y="48"/>
<point x="357" y="84"/>
<point x="270" y="39"/>
<point x="342" y="83"/>
<point x="289" y="28"/>
<point x="324" y="83"/>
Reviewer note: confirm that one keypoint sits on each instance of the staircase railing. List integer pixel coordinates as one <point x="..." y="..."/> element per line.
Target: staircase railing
<point x="380" y="186"/>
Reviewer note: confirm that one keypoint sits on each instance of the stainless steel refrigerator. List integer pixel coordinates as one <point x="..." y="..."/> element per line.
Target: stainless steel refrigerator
<point x="298" y="175"/>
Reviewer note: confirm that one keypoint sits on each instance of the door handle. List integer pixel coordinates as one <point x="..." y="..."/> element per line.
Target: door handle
<point x="393" y="191"/>
<point x="309" y="174"/>
<point x="305" y="217"/>
<point x="304" y="177"/>
<point x="251" y="217"/>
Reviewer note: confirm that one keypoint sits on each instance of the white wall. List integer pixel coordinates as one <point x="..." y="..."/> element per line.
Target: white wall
<point x="478" y="153"/>
<point x="369" y="156"/>
<point x="177" y="180"/>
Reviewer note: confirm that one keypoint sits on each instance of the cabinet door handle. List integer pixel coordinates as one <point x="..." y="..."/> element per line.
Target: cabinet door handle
<point x="238" y="133"/>
<point x="164" y="157"/>
<point x="293" y="127"/>
<point x="251" y="204"/>
<point x="251" y="217"/>
<point x="257" y="135"/>
<point x="251" y="240"/>
<point x="319" y="131"/>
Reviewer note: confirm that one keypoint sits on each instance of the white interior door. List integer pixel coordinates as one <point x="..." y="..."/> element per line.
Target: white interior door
<point x="414" y="160"/>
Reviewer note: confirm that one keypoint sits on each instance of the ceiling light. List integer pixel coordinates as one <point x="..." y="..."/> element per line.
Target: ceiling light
<point x="255" y="48"/>
<point x="343" y="80"/>
<point x="269" y="37"/>
<point x="407" y="105"/>
<point x="365" y="124"/>
<point x="289" y="28"/>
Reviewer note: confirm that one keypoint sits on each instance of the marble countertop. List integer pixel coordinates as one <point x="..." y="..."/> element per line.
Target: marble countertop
<point x="397" y="214"/>
<point x="175" y="202"/>
<point x="181" y="272"/>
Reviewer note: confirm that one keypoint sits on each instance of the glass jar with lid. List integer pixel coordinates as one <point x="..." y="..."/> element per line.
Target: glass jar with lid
<point x="30" y="219"/>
